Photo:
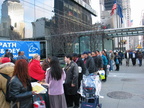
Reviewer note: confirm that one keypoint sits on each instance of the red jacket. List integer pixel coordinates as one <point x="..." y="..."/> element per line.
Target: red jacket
<point x="35" y="70"/>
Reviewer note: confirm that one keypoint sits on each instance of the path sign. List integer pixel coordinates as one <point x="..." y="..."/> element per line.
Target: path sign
<point x="29" y="47"/>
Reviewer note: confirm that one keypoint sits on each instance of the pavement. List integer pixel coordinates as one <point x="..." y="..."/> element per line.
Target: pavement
<point x="124" y="88"/>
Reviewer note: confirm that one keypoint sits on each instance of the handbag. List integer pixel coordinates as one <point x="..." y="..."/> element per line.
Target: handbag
<point x="38" y="102"/>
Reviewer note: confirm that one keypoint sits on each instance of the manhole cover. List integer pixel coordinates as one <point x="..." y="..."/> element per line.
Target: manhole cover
<point x="119" y="95"/>
<point x="127" y="79"/>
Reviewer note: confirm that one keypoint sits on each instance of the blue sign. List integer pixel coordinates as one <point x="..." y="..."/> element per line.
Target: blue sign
<point x="29" y="47"/>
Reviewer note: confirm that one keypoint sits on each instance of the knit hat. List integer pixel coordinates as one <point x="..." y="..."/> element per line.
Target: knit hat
<point x="5" y="60"/>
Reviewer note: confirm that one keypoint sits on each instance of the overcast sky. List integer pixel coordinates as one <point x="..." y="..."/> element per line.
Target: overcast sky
<point x="137" y="7"/>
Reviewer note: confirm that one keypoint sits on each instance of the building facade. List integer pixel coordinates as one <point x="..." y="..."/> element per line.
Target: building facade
<point x="68" y="16"/>
<point x="12" y="18"/>
<point x="114" y="21"/>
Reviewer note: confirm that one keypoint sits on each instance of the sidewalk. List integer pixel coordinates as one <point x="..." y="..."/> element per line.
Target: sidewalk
<point x="124" y="88"/>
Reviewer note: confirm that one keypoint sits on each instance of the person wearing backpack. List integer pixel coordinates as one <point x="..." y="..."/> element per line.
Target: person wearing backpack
<point x="6" y="71"/>
<point x="20" y="89"/>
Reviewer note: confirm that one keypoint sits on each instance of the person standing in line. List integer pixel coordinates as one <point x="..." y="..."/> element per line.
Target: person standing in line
<point x="93" y="54"/>
<point x="35" y="70"/>
<point x="55" y="77"/>
<point x="111" y="60"/>
<point x="89" y="63"/>
<point x="6" y="68"/>
<point x="105" y="63"/>
<point x="71" y="82"/>
<point x="89" y="53"/>
<point x="20" y="90"/>
<point x="45" y="63"/>
<point x="98" y="60"/>
<point x="82" y="57"/>
<point x="105" y="54"/>
<point x="82" y="71"/>
<point x="82" y="68"/>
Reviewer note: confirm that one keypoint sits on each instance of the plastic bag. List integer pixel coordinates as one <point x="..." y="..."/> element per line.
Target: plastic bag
<point x="38" y="102"/>
<point x="101" y="74"/>
<point x="90" y="86"/>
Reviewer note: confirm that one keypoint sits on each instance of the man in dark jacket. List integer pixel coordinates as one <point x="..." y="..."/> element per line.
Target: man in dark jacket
<point x="98" y="61"/>
<point x="82" y="71"/>
<point x="82" y="68"/>
<point x="89" y="63"/>
<point x="134" y="57"/>
<point x="71" y="82"/>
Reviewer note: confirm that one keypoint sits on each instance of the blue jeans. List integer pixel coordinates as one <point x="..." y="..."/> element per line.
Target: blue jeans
<point x="111" y="64"/>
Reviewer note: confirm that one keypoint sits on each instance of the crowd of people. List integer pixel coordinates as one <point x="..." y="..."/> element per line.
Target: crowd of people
<point x="63" y="82"/>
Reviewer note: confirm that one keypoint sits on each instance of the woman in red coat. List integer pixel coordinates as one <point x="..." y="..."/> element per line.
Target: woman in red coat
<point x="35" y="70"/>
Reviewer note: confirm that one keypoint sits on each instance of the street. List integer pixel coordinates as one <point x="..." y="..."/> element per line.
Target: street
<point x="124" y="88"/>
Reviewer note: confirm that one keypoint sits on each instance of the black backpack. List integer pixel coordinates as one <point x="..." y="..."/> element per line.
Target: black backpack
<point x="7" y="87"/>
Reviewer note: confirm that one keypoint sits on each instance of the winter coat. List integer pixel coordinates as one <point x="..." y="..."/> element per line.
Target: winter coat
<point x="117" y="57"/>
<point x="98" y="62"/>
<point x="80" y="63"/>
<point x="127" y="53"/>
<point x="20" y="94"/>
<point x="90" y="65"/>
<point x="71" y="71"/>
<point x="6" y="68"/>
<point x="140" y="56"/>
<point x="35" y="70"/>
<point x="111" y="56"/>
<point x="105" y="61"/>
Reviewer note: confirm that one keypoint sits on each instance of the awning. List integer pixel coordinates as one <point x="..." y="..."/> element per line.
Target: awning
<point x="124" y="32"/>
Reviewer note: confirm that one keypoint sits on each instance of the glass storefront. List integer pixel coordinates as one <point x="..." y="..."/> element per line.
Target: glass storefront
<point x="81" y="44"/>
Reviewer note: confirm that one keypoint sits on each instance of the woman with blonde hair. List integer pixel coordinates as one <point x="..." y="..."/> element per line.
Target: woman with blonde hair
<point x="35" y="70"/>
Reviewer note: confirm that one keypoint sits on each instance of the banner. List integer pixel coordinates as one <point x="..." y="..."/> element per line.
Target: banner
<point x="29" y="47"/>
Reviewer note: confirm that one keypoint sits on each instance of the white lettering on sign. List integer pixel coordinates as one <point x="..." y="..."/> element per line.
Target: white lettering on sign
<point x="8" y="44"/>
<point x="2" y="51"/>
<point x="14" y="50"/>
<point x="13" y="44"/>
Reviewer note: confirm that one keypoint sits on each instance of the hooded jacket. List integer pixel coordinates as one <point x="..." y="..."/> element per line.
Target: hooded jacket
<point x="6" y="68"/>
